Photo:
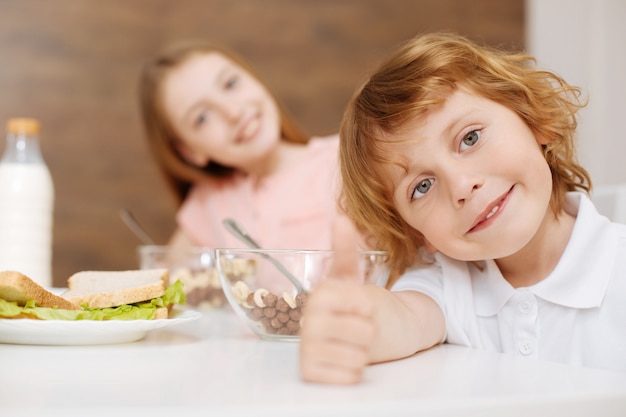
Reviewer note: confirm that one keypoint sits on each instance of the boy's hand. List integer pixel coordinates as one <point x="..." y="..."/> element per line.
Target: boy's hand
<point x="337" y="328"/>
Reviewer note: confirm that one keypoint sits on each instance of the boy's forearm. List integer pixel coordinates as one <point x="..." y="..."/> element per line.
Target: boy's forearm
<point x="407" y="322"/>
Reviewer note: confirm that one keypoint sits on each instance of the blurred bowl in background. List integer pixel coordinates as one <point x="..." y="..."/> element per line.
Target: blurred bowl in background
<point x="194" y="266"/>
<point x="266" y="300"/>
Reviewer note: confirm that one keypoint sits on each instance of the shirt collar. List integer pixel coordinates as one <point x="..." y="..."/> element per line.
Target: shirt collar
<point x="491" y="290"/>
<point x="581" y="277"/>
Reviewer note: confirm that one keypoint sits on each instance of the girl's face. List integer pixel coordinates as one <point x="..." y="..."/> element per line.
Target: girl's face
<point x="220" y="112"/>
<point x="472" y="178"/>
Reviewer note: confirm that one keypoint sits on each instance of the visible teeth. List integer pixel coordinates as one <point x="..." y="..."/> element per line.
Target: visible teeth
<point x="250" y="128"/>
<point x="492" y="212"/>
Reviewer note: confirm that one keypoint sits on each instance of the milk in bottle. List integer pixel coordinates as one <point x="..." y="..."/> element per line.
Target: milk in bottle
<point x="26" y="204"/>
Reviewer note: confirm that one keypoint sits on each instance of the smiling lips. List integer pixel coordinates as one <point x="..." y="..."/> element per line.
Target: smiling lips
<point x="249" y="130"/>
<point x="488" y="215"/>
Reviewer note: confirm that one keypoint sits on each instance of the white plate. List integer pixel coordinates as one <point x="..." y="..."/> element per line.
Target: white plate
<point x="85" y="332"/>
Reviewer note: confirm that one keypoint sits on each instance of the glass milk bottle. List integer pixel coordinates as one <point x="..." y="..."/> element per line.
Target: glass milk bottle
<point x="26" y="204"/>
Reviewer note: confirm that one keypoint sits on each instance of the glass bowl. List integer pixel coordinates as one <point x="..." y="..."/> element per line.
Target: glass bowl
<point x="266" y="300"/>
<point x="194" y="266"/>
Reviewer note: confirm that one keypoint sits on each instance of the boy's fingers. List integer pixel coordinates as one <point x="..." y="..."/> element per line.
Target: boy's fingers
<point x="336" y="296"/>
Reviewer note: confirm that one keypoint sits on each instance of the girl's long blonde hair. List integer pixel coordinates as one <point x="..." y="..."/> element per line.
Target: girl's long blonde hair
<point x="179" y="174"/>
<point x="420" y="74"/>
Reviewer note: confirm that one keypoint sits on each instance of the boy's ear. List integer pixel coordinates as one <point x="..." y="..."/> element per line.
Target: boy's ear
<point x="541" y="139"/>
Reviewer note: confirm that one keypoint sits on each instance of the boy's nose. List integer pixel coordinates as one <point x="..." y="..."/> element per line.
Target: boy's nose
<point x="466" y="189"/>
<point x="463" y="185"/>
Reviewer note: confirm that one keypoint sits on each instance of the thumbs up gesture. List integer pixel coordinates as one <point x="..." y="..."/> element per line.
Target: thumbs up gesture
<point x="338" y="326"/>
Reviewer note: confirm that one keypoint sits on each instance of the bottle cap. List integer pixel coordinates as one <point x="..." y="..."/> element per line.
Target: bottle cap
<point x="23" y="125"/>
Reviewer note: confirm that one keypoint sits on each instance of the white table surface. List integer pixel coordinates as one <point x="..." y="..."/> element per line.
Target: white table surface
<point x="215" y="367"/>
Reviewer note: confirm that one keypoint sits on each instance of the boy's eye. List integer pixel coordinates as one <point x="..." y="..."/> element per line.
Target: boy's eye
<point x="422" y="188"/>
<point x="470" y="139"/>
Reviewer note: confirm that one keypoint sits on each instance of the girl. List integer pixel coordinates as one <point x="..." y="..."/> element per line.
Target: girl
<point x="460" y="161"/>
<point x="229" y="149"/>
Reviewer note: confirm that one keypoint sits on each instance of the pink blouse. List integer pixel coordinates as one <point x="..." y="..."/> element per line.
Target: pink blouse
<point x="292" y="209"/>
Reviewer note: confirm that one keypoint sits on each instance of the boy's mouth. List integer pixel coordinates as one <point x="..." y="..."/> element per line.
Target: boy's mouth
<point x="487" y="217"/>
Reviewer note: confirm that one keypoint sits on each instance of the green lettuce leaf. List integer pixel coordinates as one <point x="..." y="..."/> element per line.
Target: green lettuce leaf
<point x="174" y="294"/>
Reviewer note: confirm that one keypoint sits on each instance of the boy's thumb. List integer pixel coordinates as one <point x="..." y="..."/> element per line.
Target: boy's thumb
<point x="345" y="265"/>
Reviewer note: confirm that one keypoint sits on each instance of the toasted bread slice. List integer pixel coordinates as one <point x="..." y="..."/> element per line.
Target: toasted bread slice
<point x="100" y="289"/>
<point x="17" y="287"/>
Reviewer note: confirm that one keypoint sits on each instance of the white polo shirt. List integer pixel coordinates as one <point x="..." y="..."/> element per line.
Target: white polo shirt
<point x="576" y="315"/>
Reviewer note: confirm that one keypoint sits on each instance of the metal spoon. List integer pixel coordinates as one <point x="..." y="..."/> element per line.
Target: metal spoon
<point x="238" y="231"/>
<point x="135" y="227"/>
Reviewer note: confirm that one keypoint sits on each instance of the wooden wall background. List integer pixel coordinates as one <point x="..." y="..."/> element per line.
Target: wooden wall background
<point x="74" y="65"/>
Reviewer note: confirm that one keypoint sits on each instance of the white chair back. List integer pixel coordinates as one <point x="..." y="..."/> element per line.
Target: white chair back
<point x="610" y="200"/>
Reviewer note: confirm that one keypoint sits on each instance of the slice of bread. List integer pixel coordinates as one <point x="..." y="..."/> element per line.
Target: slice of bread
<point x="100" y="289"/>
<point x="162" y="313"/>
<point x="17" y="287"/>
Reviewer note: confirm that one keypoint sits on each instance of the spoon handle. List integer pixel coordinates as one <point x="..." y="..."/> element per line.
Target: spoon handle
<point x="236" y="230"/>
<point x="135" y="227"/>
<point x="295" y="281"/>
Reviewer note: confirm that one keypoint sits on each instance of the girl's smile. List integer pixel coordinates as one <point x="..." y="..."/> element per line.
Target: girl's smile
<point x="222" y="114"/>
<point x="249" y="129"/>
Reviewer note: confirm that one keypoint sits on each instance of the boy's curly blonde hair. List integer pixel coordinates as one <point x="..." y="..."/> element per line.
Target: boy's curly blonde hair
<point x="420" y="74"/>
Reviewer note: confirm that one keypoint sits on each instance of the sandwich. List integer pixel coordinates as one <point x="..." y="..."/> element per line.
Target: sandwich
<point x="92" y="295"/>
